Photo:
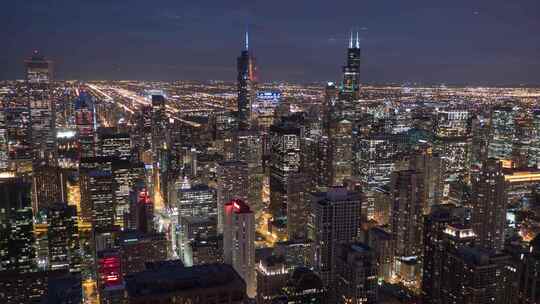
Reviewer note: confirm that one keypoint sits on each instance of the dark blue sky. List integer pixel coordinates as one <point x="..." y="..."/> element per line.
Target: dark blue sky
<point x="457" y="41"/>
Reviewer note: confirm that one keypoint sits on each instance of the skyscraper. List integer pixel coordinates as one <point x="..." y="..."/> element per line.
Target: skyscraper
<point x="63" y="237"/>
<point x="489" y="205"/>
<point x="356" y="272"/>
<point x="246" y="82"/>
<point x="335" y="220"/>
<point x="85" y="119"/>
<point x="16" y="226"/>
<point x="350" y="86"/>
<point x="502" y="133"/>
<point x="38" y="69"/>
<point x="232" y="181"/>
<point x="239" y="242"/>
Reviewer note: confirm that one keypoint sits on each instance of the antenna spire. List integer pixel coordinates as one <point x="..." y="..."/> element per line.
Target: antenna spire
<point x="351" y="41"/>
<point x="247" y="39"/>
<point x="357" y="41"/>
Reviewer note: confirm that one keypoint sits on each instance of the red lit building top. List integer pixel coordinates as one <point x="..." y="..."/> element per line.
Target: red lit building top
<point x="238" y="206"/>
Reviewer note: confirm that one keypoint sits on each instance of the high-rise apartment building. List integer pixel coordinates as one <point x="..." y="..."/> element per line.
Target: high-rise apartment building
<point x="232" y="183"/>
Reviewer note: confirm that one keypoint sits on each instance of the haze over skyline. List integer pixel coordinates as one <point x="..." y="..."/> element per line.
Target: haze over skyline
<point x="459" y="42"/>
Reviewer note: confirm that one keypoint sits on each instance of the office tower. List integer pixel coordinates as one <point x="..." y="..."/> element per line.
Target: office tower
<point x="356" y="274"/>
<point x="193" y="228"/>
<point x="296" y="253"/>
<point x="298" y="207"/>
<point x="303" y="286"/>
<point x="43" y="117"/>
<point x="49" y="186"/>
<point x="16" y="226"/>
<point x="159" y="123"/>
<point x="330" y="99"/>
<point x="381" y="242"/>
<point x="341" y="158"/>
<point x="285" y="141"/>
<point x="272" y="275"/>
<point x="63" y="238"/>
<point x="125" y="175"/>
<point x="178" y="284"/>
<point x="239" y="242"/>
<point x="110" y="280"/>
<point x="137" y="248"/>
<point x="97" y="191"/>
<point x="334" y="220"/>
<point x="453" y="142"/>
<point x="246" y="82"/>
<point x="40" y="287"/>
<point x="315" y="161"/>
<point x="350" y="86"/>
<point x="264" y="107"/>
<point x="39" y="69"/>
<point x="481" y="136"/>
<point x="206" y="250"/>
<point x="141" y="214"/>
<point x="232" y="178"/>
<point x="407" y="199"/>
<point x="375" y="159"/>
<point x="430" y="166"/>
<point x="18" y="132"/>
<point x="197" y="200"/>
<point x="67" y="148"/>
<point x="444" y="229"/>
<point x="115" y="144"/>
<point x="85" y="120"/>
<point x="476" y="276"/>
<point x="502" y="133"/>
<point x="248" y="147"/>
<point x="489" y="205"/>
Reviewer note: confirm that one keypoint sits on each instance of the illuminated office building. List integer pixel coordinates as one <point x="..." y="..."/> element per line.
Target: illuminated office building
<point x="18" y="132"/>
<point x="264" y="107"/>
<point x="97" y="191"/>
<point x="334" y="220"/>
<point x="303" y="286"/>
<point x="16" y="226"/>
<point x="49" y="186"/>
<point x="125" y="175"/>
<point x="350" y="86"/>
<point x="272" y="275"/>
<point x="63" y="238"/>
<point x="67" y="148"/>
<point x="43" y="116"/>
<point x="341" y="157"/>
<point x="239" y="242"/>
<point x="116" y="144"/>
<point x="534" y="160"/>
<point x="110" y="279"/>
<point x="502" y="133"/>
<point x="315" y="161"/>
<point x="136" y="249"/>
<point x="285" y="139"/>
<point x="207" y="250"/>
<point x="197" y="200"/>
<point x="246" y="82"/>
<point x="85" y="120"/>
<point x="248" y="147"/>
<point x="194" y="228"/>
<point x="39" y="69"/>
<point x="232" y="178"/>
<point x="3" y="142"/>
<point x="489" y="205"/>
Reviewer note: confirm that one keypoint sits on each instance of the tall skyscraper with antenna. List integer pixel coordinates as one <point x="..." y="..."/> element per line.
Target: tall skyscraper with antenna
<point x="246" y="82"/>
<point x="350" y="85"/>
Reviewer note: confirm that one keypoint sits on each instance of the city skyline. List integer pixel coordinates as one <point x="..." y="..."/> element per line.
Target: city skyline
<point x="420" y="42"/>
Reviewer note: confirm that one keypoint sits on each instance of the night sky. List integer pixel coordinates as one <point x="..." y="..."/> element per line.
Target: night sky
<point x="447" y="41"/>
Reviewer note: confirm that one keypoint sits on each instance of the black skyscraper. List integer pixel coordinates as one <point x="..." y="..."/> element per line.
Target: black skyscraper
<point x="351" y="71"/>
<point x="246" y="82"/>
